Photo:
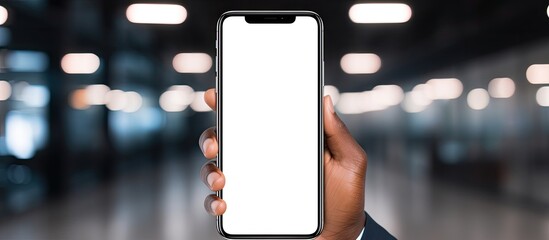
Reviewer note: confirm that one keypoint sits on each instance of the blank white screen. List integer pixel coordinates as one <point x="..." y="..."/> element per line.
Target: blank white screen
<point x="270" y="152"/>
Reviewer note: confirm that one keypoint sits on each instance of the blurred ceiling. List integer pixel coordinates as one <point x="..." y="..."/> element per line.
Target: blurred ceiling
<point x="439" y="34"/>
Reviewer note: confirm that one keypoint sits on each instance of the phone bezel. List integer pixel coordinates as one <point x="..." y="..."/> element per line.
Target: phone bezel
<point x="320" y="225"/>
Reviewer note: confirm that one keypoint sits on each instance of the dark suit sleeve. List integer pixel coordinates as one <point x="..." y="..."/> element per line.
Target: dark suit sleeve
<point x="372" y="231"/>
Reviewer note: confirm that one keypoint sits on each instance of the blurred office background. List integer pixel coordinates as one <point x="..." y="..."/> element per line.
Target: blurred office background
<point x="101" y="108"/>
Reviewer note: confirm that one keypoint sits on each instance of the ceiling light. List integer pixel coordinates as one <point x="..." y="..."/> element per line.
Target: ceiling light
<point x="80" y="63"/>
<point x="446" y="88"/>
<point x="116" y="100"/>
<point x="360" y="63"/>
<point x="542" y="96"/>
<point x="389" y="95"/>
<point x="192" y="62"/>
<point x="361" y="102"/>
<point x="501" y="88"/>
<point x="156" y="13"/>
<point x="199" y="105"/>
<point x="348" y="103"/>
<point x="95" y="94"/>
<point x="423" y="94"/>
<point x="134" y="101"/>
<point x="3" y="15"/>
<point x="478" y="99"/>
<point x="538" y="74"/>
<point x="177" y="98"/>
<point x="414" y="102"/>
<point x="380" y="13"/>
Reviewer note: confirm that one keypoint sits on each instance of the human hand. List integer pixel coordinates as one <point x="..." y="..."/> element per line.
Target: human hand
<point x="345" y="165"/>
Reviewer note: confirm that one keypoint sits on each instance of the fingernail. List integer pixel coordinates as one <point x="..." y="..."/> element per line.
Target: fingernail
<point x="211" y="178"/>
<point x="330" y="105"/>
<point x="214" y="206"/>
<point x="206" y="144"/>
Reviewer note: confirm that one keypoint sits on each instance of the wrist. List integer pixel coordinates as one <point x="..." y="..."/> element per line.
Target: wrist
<point x="356" y="230"/>
<point x="349" y="232"/>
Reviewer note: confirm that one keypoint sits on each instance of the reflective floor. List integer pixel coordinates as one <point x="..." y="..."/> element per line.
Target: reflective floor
<point x="166" y="203"/>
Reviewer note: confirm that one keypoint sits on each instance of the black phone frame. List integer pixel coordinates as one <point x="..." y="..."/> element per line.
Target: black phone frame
<point x="273" y="17"/>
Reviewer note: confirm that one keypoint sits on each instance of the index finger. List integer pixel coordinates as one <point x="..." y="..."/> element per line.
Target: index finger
<point x="209" y="98"/>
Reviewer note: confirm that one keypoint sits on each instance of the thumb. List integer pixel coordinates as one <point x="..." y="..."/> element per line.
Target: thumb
<point x="339" y="140"/>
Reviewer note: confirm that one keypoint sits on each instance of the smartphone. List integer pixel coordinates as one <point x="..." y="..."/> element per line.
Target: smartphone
<point x="269" y="119"/>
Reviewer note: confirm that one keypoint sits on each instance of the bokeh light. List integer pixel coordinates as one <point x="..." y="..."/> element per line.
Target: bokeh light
<point x="501" y="88"/>
<point x="199" y="105"/>
<point x="116" y="100"/>
<point x="80" y="63"/>
<point x="35" y="96"/>
<point x="361" y="102"/>
<point x="360" y="63"/>
<point x="95" y="94"/>
<point x="423" y="94"/>
<point x="349" y="103"/>
<point x="389" y="95"/>
<point x="538" y="74"/>
<point x="478" y="99"/>
<point x="134" y="101"/>
<point x="177" y="98"/>
<point x="19" y="135"/>
<point x="5" y="90"/>
<point x="27" y="61"/>
<point x="542" y="96"/>
<point x="148" y="13"/>
<point x="79" y="99"/>
<point x="192" y="62"/>
<point x="380" y="13"/>
<point x="445" y="88"/>
<point x="333" y="92"/>
<point x="3" y="15"/>
<point x="415" y="102"/>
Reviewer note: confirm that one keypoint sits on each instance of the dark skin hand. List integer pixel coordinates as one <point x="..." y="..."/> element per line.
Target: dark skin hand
<point x="345" y="165"/>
